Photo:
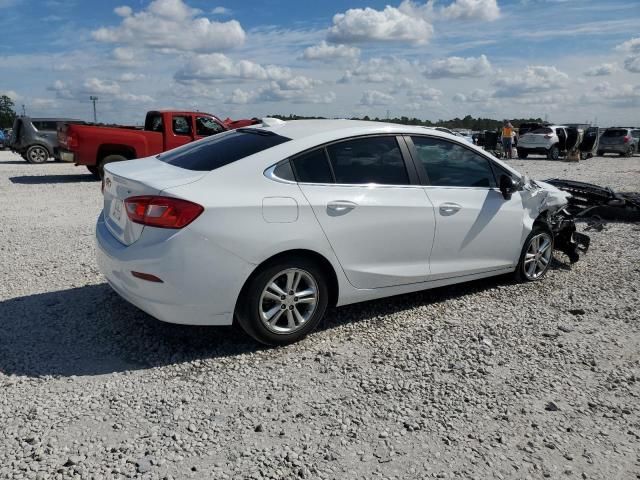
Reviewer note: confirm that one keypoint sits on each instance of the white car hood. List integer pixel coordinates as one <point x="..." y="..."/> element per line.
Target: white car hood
<point x="544" y="196"/>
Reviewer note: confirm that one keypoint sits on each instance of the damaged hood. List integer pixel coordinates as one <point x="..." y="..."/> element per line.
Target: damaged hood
<point x="544" y="196"/>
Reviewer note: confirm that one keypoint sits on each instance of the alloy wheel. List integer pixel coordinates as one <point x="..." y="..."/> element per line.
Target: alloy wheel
<point x="288" y="301"/>
<point x="538" y="256"/>
<point x="37" y="155"/>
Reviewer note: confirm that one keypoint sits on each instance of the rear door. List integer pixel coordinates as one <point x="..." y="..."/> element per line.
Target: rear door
<point x="477" y="230"/>
<point x="378" y="221"/>
<point x="179" y="132"/>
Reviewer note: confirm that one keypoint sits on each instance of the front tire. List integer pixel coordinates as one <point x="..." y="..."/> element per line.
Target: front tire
<point x="284" y="302"/>
<point x="553" y="153"/>
<point x="37" y="154"/>
<point x="94" y="171"/>
<point x="536" y="256"/>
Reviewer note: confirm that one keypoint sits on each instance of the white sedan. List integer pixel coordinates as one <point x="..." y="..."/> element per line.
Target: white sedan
<point x="271" y="224"/>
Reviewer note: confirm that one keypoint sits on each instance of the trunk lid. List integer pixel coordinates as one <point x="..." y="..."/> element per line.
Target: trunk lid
<point x="533" y="139"/>
<point x="132" y="178"/>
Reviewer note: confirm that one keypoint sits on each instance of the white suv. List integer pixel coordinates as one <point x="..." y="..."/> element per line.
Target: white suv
<point x="550" y="141"/>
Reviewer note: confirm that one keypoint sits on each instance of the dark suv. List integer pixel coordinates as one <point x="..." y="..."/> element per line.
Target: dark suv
<point x="620" y="140"/>
<point x="36" y="139"/>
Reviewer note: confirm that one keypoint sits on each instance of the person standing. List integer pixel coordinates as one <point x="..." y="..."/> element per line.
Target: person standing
<point x="507" y="138"/>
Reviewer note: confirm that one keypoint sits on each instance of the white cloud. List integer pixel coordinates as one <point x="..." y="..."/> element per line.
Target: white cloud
<point x="97" y="86"/>
<point x="377" y="70"/>
<point x="457" y="67"/>
<point x="123" y="11"/>
<point x="539" y="78"/>
<point x="124" y="56"/>
<point x="171" y="25"/>
<point x="484" y="10"/>
<point x="601" y="70"/>
<point x="618" y="95"/>
<point x="632" y="63"/>
<point x="131" y="77"/>
<point x="424" y="94"/>
<point x="359" y="25"/>
<point x="329" y="53"/>
<point x="274" y="92"/>
<point x="375" y="97"/>
<point x="631" y="46"/>
<point x="221" y="11"/>
<point x="475" y="96"/>
<point x="12" y="94"/>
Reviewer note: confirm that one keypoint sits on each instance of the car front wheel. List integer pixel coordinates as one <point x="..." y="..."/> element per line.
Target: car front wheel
<point x="284" y="302"/>
<point x="536" y="256"/>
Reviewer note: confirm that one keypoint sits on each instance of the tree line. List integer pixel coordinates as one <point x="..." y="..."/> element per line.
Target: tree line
<point x="468" y="122"/>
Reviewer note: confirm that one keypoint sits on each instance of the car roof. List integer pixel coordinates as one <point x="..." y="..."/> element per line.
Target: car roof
<point x="340" y="128"/>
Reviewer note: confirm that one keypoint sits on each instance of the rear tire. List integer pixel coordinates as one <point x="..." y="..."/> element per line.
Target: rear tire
<point x="94" y="171"/>
<point x="600" y="153"/>
<point x="523" y="154"/>
<point x="108" y="159"/>
<point x="37" y="154"/>
<point x="630" y="151"/>
<point x="284" y="301"/>
<point x="537" y="249"/>
<point x="553" y="153"/>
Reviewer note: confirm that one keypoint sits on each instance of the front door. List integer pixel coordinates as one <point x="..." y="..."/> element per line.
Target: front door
<point x="380" y="226"/>
<point x="477" y="230"/>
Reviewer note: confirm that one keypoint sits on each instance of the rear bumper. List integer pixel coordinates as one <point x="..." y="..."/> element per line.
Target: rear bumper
<point x="535" y="150"/>
<point x="200" y="283"/>
<point x="622" y="148"/>
<point x="66" y="156"/>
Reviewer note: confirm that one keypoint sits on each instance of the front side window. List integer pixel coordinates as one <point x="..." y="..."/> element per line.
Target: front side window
<point x="206" y="126"/>
<point x="181" y="125"/>
<point x="450" y="165"/>
<point x="368" y="160"/>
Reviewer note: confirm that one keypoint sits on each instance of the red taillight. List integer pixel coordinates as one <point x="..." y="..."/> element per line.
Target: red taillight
<point x="162" y="212"/>
<point x="626" y="139"/>
<point x="71" y="141"/>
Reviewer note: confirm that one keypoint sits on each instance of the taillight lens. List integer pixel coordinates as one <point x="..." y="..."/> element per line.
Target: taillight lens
<point x="162" y="212"/>
<point x="71" y="141"/>
<point x="626" y="139"/>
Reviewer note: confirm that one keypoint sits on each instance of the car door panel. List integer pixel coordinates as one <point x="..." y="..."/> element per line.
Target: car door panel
<point x="381" y="235"/>
<point x="481" y="234"/>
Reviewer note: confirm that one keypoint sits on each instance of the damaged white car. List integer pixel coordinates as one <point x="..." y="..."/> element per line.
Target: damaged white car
<point x="271" y="224"/>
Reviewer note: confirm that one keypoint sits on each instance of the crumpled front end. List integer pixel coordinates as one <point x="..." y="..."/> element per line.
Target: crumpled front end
<point x="550" y="205"/>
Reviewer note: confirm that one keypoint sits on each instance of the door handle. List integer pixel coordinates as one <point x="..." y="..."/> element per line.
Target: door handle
<point x="449" y="208"/>
<point x="340" y="207"/>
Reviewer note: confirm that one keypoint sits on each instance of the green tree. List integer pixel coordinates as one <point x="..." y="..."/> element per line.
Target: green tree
<point x="7" y="114"/>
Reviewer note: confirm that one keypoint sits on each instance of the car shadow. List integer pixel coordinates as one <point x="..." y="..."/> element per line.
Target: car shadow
<point x="47" y="179"/>
<point x="90" y="330"/>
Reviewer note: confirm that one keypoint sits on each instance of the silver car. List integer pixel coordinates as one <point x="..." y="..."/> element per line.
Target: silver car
<point x="620" y="140"/>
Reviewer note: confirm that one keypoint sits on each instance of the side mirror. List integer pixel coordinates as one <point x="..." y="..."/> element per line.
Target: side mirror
<point x="507" y="186"/>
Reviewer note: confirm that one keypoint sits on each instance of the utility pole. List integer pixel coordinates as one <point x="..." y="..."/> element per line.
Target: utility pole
<point x="94" y="99"/>
<point x="24" y="112"/>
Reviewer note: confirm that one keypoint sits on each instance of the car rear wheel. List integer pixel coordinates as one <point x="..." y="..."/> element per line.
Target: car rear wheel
<point x="37" y="154"/>
<point x="94" y="171"/>
<point x="553" y="153"/>
<point x="600" y="153"/>
<point x="108" y="159"/>
<point x="284" y="302"/>
<point x="630" y="151"/>
<point x="522" y="153"/>
<point x="536" y="256"/>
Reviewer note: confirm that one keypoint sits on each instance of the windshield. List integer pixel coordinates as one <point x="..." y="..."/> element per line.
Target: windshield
<point x="222" y="149"/>
<point x="542" y="131"/>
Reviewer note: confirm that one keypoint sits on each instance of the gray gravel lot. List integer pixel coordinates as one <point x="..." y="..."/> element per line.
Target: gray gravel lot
<point x="489" y="379"/>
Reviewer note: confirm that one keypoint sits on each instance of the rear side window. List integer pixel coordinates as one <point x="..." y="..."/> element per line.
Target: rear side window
<point x="313" y="167"/>
<point x="44" y="125"/>
<point x="181" y="125"/>
<point x="219" y="150"/>
<point x="368" y="160"/>
<point x="617" y="132"/>
<point x="450" y="165"/>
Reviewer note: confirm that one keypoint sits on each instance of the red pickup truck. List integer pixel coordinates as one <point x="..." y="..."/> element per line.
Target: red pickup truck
<point x="96" y="145"/>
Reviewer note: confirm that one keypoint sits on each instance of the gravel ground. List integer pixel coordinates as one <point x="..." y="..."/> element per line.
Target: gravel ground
<point x="483" y="380"/>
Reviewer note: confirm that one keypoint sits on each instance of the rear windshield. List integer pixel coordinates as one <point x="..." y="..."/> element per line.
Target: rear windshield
<point x="618" y="132"/>
<point x="542" y="130"/>
<point x="220" y="150"/>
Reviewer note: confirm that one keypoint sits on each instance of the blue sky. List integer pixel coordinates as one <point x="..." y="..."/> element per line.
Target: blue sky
<point x="568" y="60"/>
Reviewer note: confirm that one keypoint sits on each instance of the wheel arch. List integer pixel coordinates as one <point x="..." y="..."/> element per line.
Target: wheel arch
<point x="321" y="260"/>
<point x="107" y="149"/>
<point x="40" y="144"/>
